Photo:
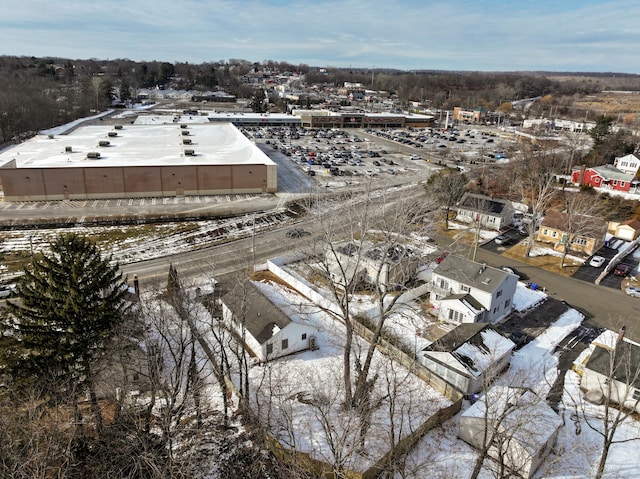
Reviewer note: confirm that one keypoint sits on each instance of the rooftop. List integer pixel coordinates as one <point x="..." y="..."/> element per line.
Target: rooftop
<point x="151" y="141"/>
<point x="465" y="271"/>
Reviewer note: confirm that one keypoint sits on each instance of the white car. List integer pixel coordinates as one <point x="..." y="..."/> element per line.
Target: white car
<point x="633" y="291"/>
<point x="415" y="157"/>
<point x="597" y="261"/>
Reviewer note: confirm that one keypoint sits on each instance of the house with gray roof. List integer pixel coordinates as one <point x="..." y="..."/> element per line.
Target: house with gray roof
<point x="468" y="356"/>
<point x="492" y="213"/>
<point x="606" y="177"/>
<point x="267" y="331"/>
<point x="519" y="425"/>
<point x="380" y="265"/>
<point x="613" y="371"/>
<point x="463" y="291"/>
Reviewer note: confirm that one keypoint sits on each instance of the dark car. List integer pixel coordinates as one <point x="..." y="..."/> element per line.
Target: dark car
<point x="511" y="270"/>
<point x="297" y="233"/>
<point x="622" y="270"/>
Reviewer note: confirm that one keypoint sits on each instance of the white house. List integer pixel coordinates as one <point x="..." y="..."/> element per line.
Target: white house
<point x="629" y="164"/>
<point x="468" y="356"/>
<point x="463" y="291"/>
<point x="521" y="428"/>
<point x="613" y="370"/>
<point x="267" y="331"/>
<point x="491" y="213"/>
<point x="380" y="265"/>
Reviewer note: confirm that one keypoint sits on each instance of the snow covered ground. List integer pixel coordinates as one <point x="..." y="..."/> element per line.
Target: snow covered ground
<point x="301" y="396"/>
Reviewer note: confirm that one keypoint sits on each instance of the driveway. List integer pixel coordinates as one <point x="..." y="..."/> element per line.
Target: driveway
<point x="606" y="307"/>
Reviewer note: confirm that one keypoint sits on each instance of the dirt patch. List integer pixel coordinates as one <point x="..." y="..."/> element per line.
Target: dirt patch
<point x="547" y="262"/>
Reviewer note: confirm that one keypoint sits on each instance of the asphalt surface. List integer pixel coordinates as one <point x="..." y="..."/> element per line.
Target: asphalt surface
<point x="603" y="306"/>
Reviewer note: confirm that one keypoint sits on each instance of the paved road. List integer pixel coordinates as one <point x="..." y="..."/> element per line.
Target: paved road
<point x="604" y="307"/>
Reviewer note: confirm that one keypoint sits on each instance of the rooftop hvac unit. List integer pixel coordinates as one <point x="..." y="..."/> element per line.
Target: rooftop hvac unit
<point x="185" y="132"/>
<point x="118" y="127"/>
<point x="112" y="133"/>
<point x="184" y="125"/>
<point x="189" y="153"/>
<point x="186" y="141"/>
<point x="93" y="154"/>
<point x="103" y="143"/>
<point x="68" y="149"/>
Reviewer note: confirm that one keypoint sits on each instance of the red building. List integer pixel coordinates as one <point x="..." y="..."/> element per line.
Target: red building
<point x="606" y="177"/>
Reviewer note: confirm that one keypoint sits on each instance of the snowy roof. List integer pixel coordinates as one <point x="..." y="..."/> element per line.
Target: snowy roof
<point x="152" y="141"/>
<point x="474" y="345"/>
<point x="526" y="416"/>
<point x="626" y="360"/>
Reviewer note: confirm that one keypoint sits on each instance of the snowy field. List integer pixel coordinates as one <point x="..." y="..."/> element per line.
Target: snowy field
<point x="301" y="396"/>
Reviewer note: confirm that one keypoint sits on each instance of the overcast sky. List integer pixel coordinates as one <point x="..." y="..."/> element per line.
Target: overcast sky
<point x="479" y="35"/>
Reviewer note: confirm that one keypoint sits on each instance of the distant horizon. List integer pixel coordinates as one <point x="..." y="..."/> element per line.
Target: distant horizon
<point x="572" y="36"/>
<point x="355" y="68"/>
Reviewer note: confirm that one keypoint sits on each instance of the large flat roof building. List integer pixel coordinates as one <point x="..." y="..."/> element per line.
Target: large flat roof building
<point x="157" y="155"/>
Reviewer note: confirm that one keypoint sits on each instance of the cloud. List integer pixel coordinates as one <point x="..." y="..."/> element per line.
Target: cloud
<point x="407" y="34"/>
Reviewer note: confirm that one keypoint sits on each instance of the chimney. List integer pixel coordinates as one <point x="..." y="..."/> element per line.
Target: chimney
<point x="482" y="268"/>
<point x="620" y="337"/>
<point x="583" y="170"/>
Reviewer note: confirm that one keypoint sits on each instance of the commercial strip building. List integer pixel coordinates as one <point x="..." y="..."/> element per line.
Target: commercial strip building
<point x="155" y="156"/>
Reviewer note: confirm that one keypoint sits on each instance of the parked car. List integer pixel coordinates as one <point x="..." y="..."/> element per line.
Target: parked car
<point x="442" y="257"/>
<point x="514" y="271"/>
<point x="633" y="291"/>
<point x="502" y="239"/>
<point x="597" y="261"/>
<point x="622" y="270"/>
<point x="297" y="233"/>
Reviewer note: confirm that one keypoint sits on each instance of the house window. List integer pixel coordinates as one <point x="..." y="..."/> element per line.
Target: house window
<point x="506" y="303"/>
<point x="636" y="394"/>
<point x="580" y="241"/>
<point x="269" y="348"/>
<point x="464" y="288"/>
<point x="456" y="316"/>
<point x="498" y="294"/>
<point x="304" y="336"/>
<point x="285" y="344"/>
<point x="554" y="234"/>
<point x="615" y="182"/>
<point x="622" y="183"/>
<point x="545" y="232"/>
<point x="444" y="284"/>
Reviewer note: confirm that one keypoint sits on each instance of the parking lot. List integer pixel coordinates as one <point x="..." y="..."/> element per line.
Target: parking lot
<point x="590" y="273"/>
<point x="307" y="156"/>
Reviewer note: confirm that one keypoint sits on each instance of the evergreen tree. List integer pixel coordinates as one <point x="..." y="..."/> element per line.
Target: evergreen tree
<point x="71" y="301"/>
<point x="259" y="103"/>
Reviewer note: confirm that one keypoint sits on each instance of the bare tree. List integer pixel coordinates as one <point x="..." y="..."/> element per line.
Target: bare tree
<point x="371" y="256"/>
<point x="613" y="375"/>
<point x="535" y="177"/>
<point x="582" y="222"/>
<point x="446" y="189"/>
<point x="515" y="427"/>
